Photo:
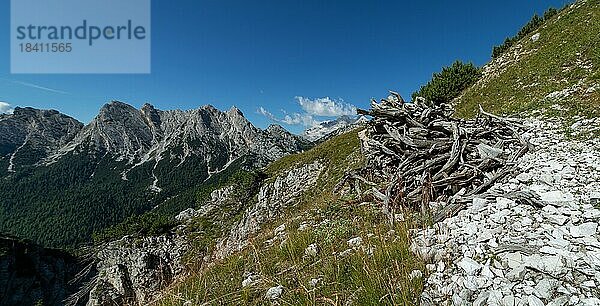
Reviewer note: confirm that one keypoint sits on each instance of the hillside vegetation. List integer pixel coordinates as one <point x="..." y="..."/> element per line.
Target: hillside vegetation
<point x="449" y="83"/>
<point x="376" y="272"/>
<point x="555" y="68"/>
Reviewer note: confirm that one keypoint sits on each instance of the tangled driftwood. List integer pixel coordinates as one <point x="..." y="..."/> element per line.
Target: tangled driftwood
<point x="423" y="154"/>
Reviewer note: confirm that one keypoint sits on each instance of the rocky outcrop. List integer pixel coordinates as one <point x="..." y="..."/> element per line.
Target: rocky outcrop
<point x="499" y="251"/>
<point x="218" y="199"/>
<point x="132" y="271"/>
<point x="30" y="274"/>
<point x="273" y="197"/>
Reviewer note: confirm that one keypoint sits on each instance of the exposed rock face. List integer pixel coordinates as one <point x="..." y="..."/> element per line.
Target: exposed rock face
<point x="149" y="134"/>
<point x="218" y="199"/>
<point x="137" y="136"/>
<point x="30" y="274"/>
<point x="328" y="129"/>
<point x="273" y="197"/>
<point x="284" y="140"/>
<point x="118" y="129"/>
<point x="133" y="271"/>
<point x="28" y="135"/>
<point x="501" y="252"/>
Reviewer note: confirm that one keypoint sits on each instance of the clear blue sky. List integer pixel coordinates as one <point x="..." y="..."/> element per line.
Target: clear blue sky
<point x="256" y="54"/>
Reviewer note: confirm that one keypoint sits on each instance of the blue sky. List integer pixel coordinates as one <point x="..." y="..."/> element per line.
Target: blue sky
<point x="275" y="58"/>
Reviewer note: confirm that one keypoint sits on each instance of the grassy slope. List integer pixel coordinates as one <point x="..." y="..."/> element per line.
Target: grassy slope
<point x="567" y="55"/>
<point x="366" y="279"/>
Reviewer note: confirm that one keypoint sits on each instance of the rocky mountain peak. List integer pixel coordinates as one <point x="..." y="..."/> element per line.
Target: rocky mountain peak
<point x="151" y="115"/>
<point x="235" y="111"/>
<point x="29" y="111"/>
<point x="138" y="136"/>
<point x="28" y="135"/>
<point x="148" y="108"/>
<point x="276" y="129"/>
<point x="333" y="127"/>
<point x="115" y="110"/>
<point x="209" y="107"/>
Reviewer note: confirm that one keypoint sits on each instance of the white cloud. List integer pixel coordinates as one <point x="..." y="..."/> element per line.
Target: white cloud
<point x="300" y="119"/>
<point x="261" y="110"/>
<point x="291" y="119"/>
<point x="326" y="107"/>
<point x="5" y="108"/>
<point x="311" y="108"/>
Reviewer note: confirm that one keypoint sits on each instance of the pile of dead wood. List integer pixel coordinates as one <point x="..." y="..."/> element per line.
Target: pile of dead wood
<point x="425" y="155"/>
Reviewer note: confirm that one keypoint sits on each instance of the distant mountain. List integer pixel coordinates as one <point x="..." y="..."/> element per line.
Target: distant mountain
<point x="58" y="176"/>
<point x="151" y="135"/>
<point x="29" y="135"/>
<point x="331" y="128"/>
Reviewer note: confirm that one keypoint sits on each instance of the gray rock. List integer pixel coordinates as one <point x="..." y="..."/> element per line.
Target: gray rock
<point x="544" y="288"/>
<point x="514" y="260"/>
<point x="508" y="300"/>
<point x="524" y="177"/>
<point x="591" y="301"/>
<point x="415" y="274"/>
<point x="274" y="293"/>
<point x="589" y="284"/>
<point x="591" y="213"/>
<point x="355" y="242"/>
<point x="251" y="280"/>
<point x="304" y="226"/>
<point x="481" y="299"/>
<point x="595" y="198"/>
<point x="311" y="250"/>
<point x="583" y="230"/>
<point x="486" y="151"/>
<point x="314" y="282"/>
<point x="469" y="265"/>
<point x="185" y="215"/>
<point x="136" y="270"/>
<point x="272" y="198"/>
<point x="559" y="301"/>
<point x="534" y="301"/>
<point x="279" y="230"/>
<point x="557" y="255"/>
<point x="556" y="196"/>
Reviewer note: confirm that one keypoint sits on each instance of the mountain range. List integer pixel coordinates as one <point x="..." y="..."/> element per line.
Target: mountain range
<point x="330" y="128"/>
<point x="123" y="163"/>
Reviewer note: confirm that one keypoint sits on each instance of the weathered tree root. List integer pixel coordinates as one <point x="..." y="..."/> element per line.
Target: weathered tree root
<point x="419" y="153"/>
